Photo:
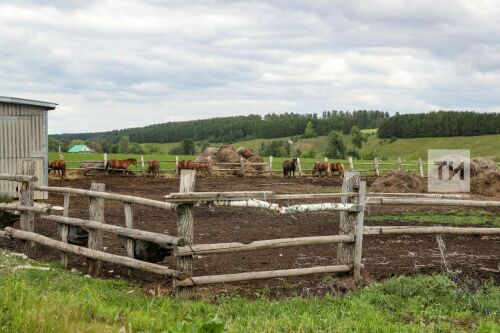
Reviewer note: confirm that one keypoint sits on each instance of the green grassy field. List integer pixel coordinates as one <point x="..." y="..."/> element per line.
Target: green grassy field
<point x="407" y="149"/>
<point x="451" y="217"/>
<point x="61" y="301"/>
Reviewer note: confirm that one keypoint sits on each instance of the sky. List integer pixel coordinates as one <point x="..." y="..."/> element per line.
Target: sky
<point x="118" y="64"/>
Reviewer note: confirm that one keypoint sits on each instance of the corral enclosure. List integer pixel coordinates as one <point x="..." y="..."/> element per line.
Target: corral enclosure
<point x="383" y="255"/>
<point x="23" y="136"/>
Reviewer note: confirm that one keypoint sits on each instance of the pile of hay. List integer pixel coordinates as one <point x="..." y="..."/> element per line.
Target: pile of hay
<point x="485" y="177"/>
<point x="228" y="154"/>
<point x="246" y="152"/>
<point x="399" y="182"/>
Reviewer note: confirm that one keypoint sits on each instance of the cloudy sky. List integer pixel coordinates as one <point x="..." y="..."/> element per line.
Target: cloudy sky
<point x="116" y="64"/>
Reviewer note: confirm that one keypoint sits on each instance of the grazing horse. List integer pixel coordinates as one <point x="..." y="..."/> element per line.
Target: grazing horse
<point x="339" y="167"/>
<point x="319" y="167"/>
<point x="154" y="168"/>
<point x="185" y="165"/>
<point x="289" y="168"/>
<point x="59" y="167"/>
<point x="120" y="165"/>
<point x="203" y="168"/>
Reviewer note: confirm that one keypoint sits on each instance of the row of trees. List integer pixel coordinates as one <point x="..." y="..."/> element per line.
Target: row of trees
<point x="231" y="129"/>
<point x="336" y="145"/>
<point x="440" y="124"/>
<point x="101" y="145"/>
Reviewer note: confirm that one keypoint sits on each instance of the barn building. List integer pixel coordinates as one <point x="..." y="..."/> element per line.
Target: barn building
<point x="23" y="136"/>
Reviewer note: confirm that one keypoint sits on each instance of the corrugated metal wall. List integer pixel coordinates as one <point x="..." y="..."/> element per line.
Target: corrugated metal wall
<point x="23" y="135"/>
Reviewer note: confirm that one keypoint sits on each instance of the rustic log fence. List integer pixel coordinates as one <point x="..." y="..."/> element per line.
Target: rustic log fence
<point x="376" y="168"/>
<point x="353" y="200"/>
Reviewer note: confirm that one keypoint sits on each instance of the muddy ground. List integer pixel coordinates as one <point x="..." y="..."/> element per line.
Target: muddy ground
<point x="473" y="258"/>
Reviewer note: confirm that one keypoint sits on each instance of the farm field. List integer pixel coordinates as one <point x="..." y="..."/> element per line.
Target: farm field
<point x="384" y="255"/>
<point x="74" y="160"/>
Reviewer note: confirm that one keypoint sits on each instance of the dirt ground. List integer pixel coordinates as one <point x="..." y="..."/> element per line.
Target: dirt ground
<point x="476" y="257"/>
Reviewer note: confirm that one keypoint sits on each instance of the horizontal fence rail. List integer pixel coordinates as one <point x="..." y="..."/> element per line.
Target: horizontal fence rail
<point x="126" y="232"/>
<point x="200" y="249"/>
<point x="108" y="196"/>
<point x="83" y="251"/>
<point x="210" y="279"/>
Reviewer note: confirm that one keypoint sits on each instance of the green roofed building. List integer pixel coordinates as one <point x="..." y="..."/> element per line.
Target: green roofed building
<point x="80" y="149"/>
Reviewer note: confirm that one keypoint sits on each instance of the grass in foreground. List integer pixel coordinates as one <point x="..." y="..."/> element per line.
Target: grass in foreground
<point x="60" y="301"/>
<point x="453" y="217"/>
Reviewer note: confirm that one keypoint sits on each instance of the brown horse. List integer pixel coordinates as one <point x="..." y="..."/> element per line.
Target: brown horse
<point x="154" y="168"/>
<point x="319" y="167"/>
<point x="185" y="165"/>
<point x="120" y="165"/>
<point x="339" y="167"/>
<point x="59" y="167"/>
<point x="289" y="168"/>
<point x="203" y="168"/>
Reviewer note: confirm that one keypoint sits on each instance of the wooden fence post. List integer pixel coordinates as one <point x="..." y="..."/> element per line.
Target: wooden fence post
<point x="65" y="230"/>
<point x="96" y="213"/>
<point x="329" y="168"/>
<point x="177" y="165"/>
<point x="300" y="166"/>
<point x="242" y="163"/>
<point x="420" y="167"/>
<point x="185" y="228"/>
<point x="105" y="159"/>
<point x="358" y="244"/>
<point x="210" y="165"/>
<point x="351" y="165"/>
<point x="142" y="164"/>
<point x="129" y="223"/>
<point x="377" y="170"/>
<point x="348" y="221"/>
<point x="27" y="199"/>
<point x="399" y="164"/>
<point x="271" y="165"/>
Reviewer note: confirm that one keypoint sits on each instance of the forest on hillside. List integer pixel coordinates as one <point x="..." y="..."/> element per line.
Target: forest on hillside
<point x="439" y="124"/>
<point x="231" y="129"/>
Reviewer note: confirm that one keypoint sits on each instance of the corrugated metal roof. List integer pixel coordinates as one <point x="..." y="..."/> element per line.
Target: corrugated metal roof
<point x="22" y="101"/>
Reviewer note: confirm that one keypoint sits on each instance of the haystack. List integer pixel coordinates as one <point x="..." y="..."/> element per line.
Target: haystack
<point x="246" y="152"/>
<point x="227" y="154"/>
<point x="399" y="182"/>
<point x="485" y="177"/>
<point x="255" y="159"/>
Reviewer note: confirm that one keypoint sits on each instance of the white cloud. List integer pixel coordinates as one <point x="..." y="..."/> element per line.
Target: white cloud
<point x="115" y="64"/>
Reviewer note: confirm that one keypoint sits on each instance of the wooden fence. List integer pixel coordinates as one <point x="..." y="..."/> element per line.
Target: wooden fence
<point x="377" y="167"/>
<point x="353" y="200"/>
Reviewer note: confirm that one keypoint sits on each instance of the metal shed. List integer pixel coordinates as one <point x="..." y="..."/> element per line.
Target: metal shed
<point x="23" y="136"/>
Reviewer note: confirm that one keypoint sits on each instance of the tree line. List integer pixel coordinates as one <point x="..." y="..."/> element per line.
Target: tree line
<point x="231" y="129"/>
<point x="439" y="124"/>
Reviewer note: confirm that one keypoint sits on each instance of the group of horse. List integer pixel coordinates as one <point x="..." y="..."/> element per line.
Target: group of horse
<point x="202" y="168"/>
<point x="123" y="165"/>
<point x="289" y="168"/>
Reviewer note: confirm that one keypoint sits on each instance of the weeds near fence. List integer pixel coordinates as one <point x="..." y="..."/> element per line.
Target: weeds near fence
<point x="61" y="301"/>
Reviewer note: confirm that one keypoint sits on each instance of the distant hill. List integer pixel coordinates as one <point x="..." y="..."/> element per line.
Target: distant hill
<point x="483" y="145"/>
<point x="230" y="129"/>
